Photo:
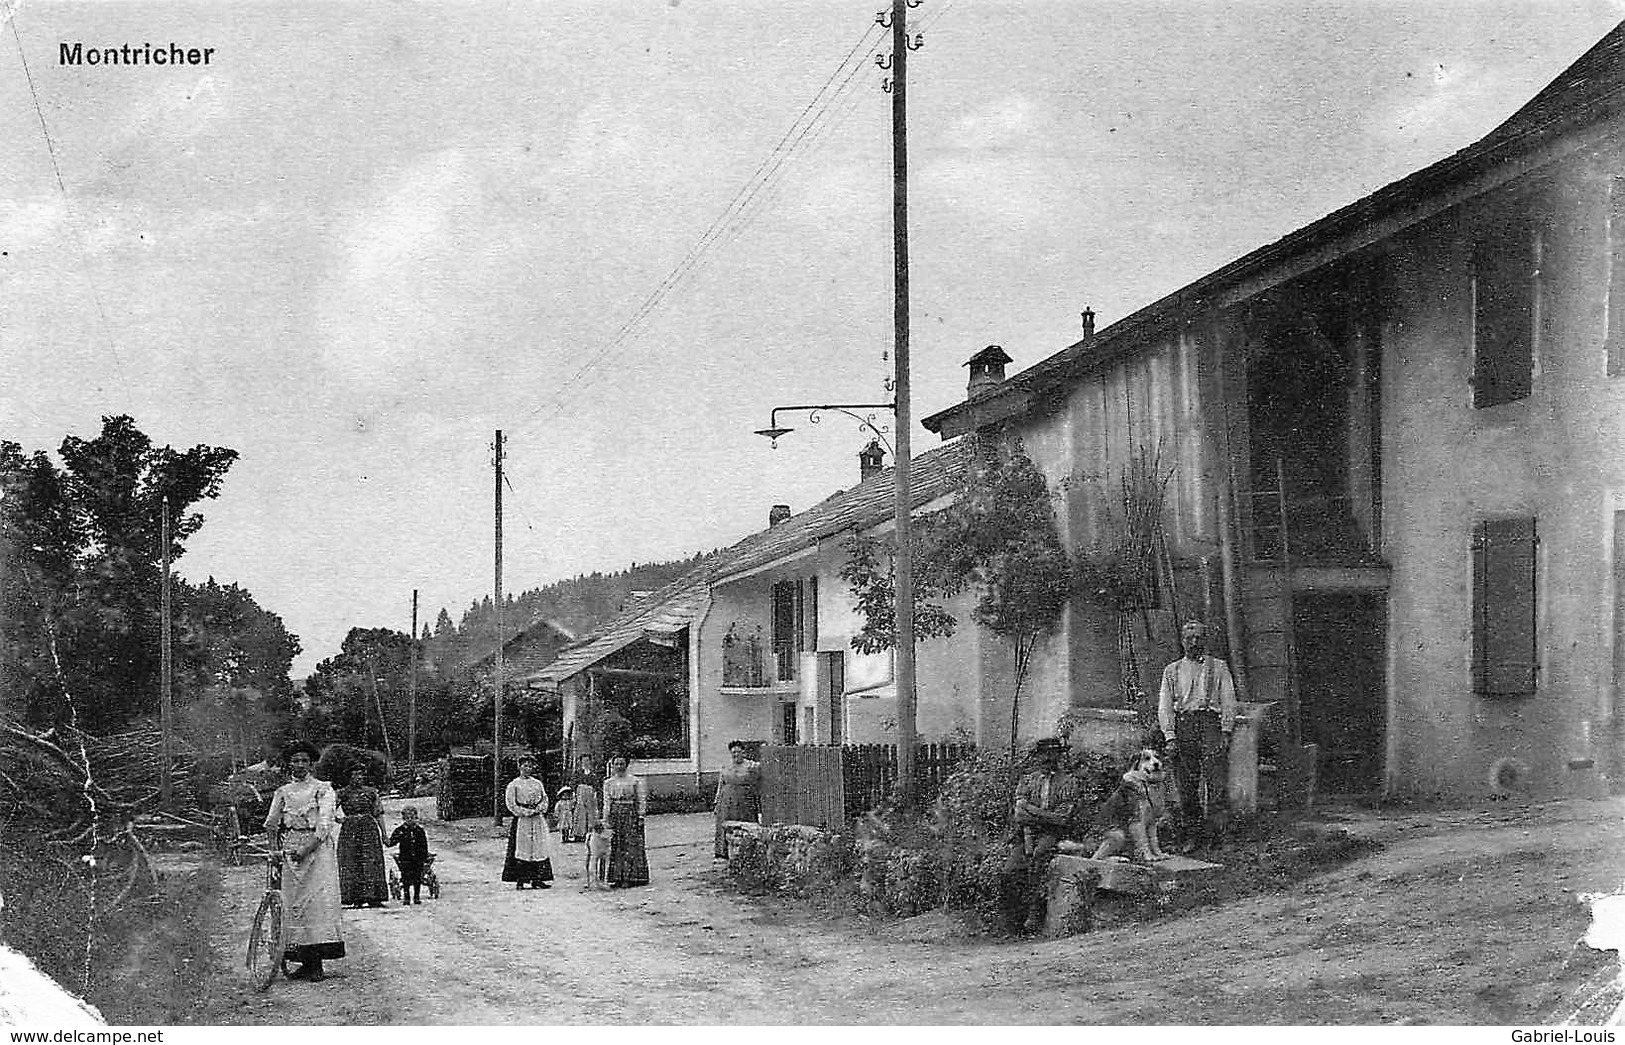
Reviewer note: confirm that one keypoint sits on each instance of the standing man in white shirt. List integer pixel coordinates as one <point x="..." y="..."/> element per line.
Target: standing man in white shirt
<point x="1197" y="710"/>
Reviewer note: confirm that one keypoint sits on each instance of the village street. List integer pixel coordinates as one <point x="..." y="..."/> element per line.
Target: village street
<point x="1461" y="917"/>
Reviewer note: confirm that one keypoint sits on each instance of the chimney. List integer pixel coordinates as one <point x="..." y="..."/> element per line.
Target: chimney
<point x="777" y="514"/>
<point x="986" y="370"/>
<point x="1088" y="322"/>
<point x="871" y="459"/>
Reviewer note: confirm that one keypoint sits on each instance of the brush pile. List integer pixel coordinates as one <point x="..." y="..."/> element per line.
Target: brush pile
<point x="69" y="839"/>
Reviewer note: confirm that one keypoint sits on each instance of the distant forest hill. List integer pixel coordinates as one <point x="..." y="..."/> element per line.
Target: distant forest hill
<point x="579" y="605"/>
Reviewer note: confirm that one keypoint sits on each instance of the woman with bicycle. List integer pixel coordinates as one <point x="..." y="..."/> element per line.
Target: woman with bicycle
<point x="301" y="825"/>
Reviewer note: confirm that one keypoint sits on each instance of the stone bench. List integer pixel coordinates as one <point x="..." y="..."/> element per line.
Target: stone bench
<point x="1074" y="878"/>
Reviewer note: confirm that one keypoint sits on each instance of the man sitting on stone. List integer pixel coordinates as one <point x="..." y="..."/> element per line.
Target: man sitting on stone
<point x="1045" y="808"/>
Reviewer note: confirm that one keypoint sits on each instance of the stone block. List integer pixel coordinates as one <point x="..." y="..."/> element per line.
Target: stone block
<point x="1074" y="880"/>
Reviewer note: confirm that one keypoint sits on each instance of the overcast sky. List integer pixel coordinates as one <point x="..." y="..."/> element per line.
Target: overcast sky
<point x="367" y="235"/>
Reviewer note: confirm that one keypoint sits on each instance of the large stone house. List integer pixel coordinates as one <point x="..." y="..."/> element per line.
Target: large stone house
<point x="1398" y="439"/>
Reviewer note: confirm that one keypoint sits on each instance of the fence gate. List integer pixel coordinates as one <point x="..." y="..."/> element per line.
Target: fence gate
<point x="802" y="784"/>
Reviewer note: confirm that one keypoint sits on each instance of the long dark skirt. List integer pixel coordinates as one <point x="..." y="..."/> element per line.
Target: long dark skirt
<point x="524" y="872"/>
<point x="628" y="858"/>
<point x="362" y="879"/>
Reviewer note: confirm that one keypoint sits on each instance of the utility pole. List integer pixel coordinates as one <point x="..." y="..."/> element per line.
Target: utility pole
<point x="496" y="674"/>
<point x="905" y="552"/>
<point x="378" y="701"/>
<point x="166" y="698"/>
<point x="412" y="703"/>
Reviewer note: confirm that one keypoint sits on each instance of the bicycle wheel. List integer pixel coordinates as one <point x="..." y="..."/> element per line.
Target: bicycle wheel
<point x="265" y="942"/>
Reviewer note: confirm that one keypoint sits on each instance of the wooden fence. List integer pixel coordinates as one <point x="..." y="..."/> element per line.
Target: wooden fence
<point x="829" y="786"/>
<point x="801" y="784"/>
<point x="869" y="772"/>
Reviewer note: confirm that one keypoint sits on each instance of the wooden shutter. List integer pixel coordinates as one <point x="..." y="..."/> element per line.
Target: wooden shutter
<point x="1505" y="654"/>
<point x="812" y="613"/>
<point x="1503" y="313"/>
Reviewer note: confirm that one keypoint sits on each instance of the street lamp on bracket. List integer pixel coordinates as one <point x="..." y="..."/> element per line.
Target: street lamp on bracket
<point x="774" y="430"/>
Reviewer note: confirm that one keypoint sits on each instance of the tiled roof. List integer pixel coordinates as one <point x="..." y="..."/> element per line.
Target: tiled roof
<point x="931" y="475"/>
<point x="529" y="649"/>
<point x="1589" y="91"/>
<point x="667" y="610"/>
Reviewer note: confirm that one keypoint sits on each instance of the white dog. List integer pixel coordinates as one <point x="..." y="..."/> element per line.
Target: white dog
<point x="598" y="840"/>
<point x="1136" y="811"/>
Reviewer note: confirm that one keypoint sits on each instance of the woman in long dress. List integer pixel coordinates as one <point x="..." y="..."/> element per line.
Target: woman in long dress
<point x="626" y="801"/>
<point x="586" y="789"/>
<point x="738" y="793"/>
<point x="362" y="878"/>
<point x="530" y="849"/>
<point x="301" y="823"/>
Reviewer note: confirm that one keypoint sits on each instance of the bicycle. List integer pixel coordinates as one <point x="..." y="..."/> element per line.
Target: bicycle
<point x="266" y="950"/>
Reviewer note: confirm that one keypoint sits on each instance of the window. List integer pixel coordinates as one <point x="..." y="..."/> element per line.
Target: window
<point x="1505" y="655"/>
<point x="1504" y="274"/>
<point x="1616" y="277"/>
<point x="795" y="624"/>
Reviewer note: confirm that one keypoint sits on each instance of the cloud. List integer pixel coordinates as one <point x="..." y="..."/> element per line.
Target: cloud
<point x="1012" y="120"/>
<point x="179" y="111"/>
<point x="1452" y="103"/>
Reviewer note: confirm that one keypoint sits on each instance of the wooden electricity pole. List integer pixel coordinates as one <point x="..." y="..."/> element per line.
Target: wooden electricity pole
<point x="905" y="552"/>
<point x="496" y="674"/>
<point x="166" y="698"/>
<point x="412" y="703"/>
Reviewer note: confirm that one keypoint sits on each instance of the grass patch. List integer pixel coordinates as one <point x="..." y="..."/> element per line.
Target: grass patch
<point x="149" y="958"/>
<point x="154" y="960"/>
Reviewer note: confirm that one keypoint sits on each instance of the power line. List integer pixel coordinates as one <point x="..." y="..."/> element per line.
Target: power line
<point x="815" y="134"/>
<point x="730" y="216"/>
<point x="67" y="204"/>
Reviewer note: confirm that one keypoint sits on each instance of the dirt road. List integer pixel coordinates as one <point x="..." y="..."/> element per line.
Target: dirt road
<point x="1460" y="918"/>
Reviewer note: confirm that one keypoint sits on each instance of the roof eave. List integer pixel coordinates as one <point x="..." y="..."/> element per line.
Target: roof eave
<point x="1283" y="259"/>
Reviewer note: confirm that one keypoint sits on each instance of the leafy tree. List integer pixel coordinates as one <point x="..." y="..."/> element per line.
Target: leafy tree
<point x="359" y="697"/>
<point x="40" y="545"/>
<point x="82" y="608"/>
<point x="998" y="537"/>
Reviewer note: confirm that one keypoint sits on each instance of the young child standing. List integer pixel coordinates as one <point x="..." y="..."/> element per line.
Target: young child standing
<point x="414" y="855"/>
<point x="566" y="815"/>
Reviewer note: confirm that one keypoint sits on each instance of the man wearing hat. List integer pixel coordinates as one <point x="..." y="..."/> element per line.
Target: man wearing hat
<point x="1046" y="802"/>
<point x="1197" y="710"/>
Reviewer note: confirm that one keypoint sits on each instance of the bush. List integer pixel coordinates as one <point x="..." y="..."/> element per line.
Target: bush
<point x="339" y="759"/>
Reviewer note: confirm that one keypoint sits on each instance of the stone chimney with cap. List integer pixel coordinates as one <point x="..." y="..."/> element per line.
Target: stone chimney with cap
<point x="986" y="370"/>
<point x="777" y="514"/>
<point x="1088" y="322"/>
<point x="871" y="459"/>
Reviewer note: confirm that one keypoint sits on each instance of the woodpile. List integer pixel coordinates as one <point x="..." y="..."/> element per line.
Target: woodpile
<point x="465" y="787"/>
<point x="72" y="804"/>
<point x="128" y="765"/>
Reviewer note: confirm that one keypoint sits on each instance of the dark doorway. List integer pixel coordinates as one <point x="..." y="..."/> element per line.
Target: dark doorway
<point x="1342" y="661"/>
<point x="835" y="674"/>
<point x="788" y="716"/>
<point x="1313" y="402"/>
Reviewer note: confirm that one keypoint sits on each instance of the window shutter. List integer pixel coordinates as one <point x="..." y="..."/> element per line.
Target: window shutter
<point x="812" y="613"/>
<point x="1503" y="313"/>
<point x="801" y="616"/>
<point x="1504" y="648"/>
